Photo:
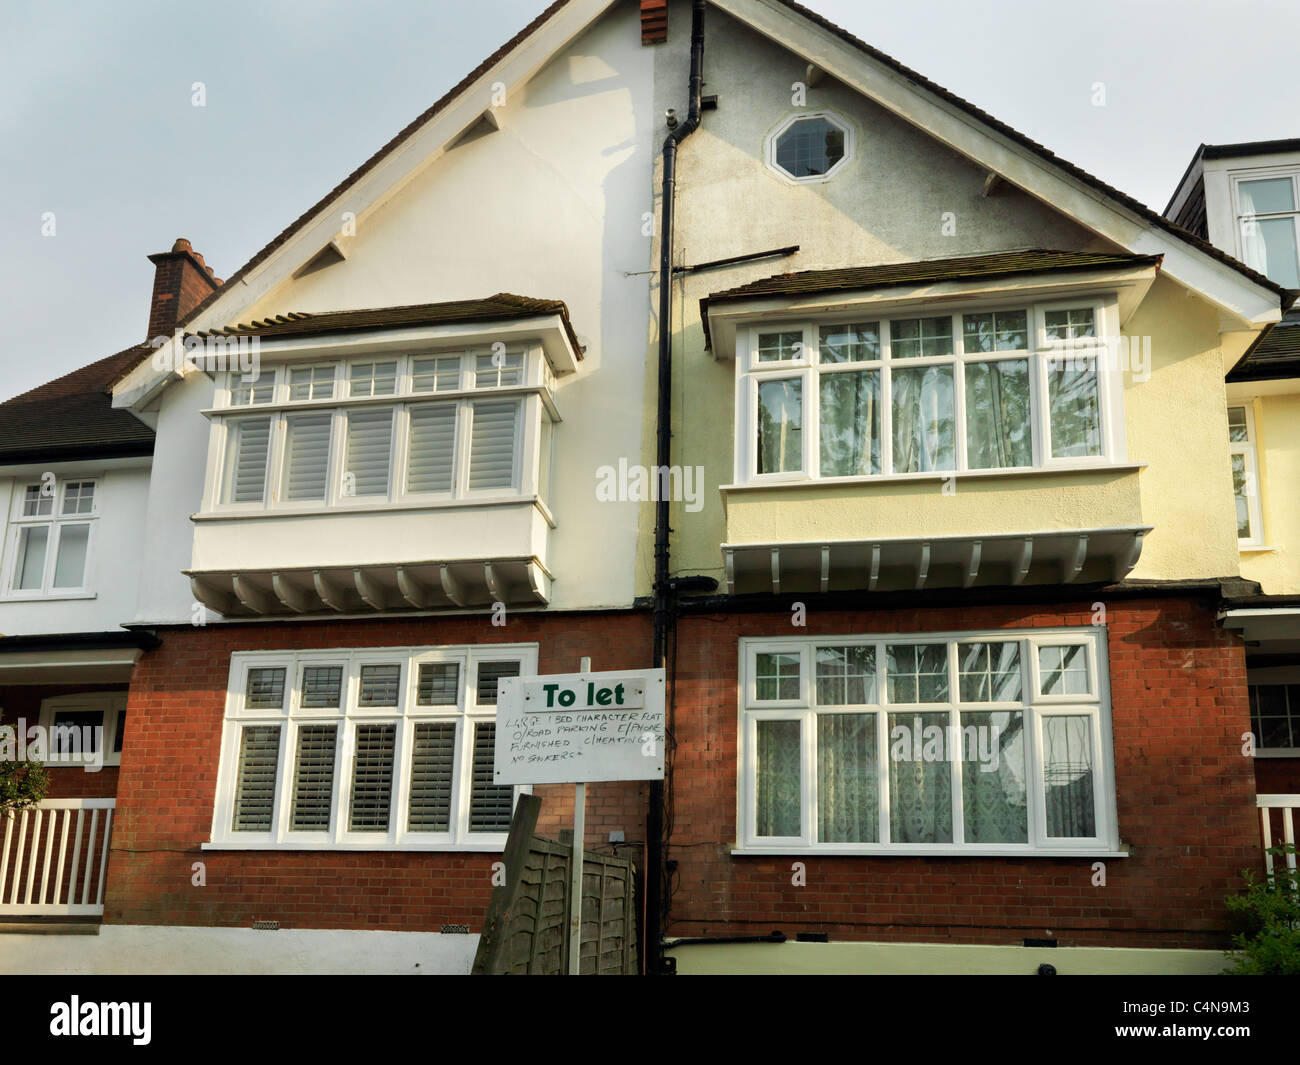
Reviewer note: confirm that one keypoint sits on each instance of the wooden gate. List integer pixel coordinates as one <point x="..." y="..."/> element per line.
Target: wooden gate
<point x="526" y="928"/>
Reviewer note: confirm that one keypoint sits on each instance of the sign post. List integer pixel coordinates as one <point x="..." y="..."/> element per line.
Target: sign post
<point x="575" y="728"/>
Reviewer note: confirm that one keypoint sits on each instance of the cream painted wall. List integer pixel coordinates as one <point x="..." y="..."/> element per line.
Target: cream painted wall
<point x="1277" y="433"/>
<point x="888" y="206"/>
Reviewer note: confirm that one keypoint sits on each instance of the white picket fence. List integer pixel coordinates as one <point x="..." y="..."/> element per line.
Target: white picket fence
<point x="1288" y="805"/>
<point x="53" y="858"/>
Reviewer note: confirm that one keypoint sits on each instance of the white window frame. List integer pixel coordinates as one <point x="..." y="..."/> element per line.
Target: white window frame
<point x="1040" y="353"/>
<point x="112" y="705"/>
<point x="1249" y="450"/>
<point x="1284" y="675"/>
<point x="466" y="713"/>
<point x="833" y="117"/>
<point x="54" y="521"/>
<point x="1035" y="709"/>
<point x="534" y="396"/>
<point x="1239" y="217"/>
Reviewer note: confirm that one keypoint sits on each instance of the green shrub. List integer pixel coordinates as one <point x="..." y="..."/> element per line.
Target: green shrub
<point x="22" y="784"/>
<point x="1270" y="908"/>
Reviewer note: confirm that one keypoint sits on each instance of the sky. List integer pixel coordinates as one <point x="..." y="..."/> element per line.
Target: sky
<point x="98" y="126"/>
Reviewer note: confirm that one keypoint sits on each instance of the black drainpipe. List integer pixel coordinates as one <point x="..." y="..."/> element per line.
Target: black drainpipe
<point x="663" y="458"/>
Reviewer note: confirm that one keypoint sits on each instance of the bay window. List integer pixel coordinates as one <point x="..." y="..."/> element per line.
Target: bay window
<point x="946" y="743"/>
<point x="50" y="538"/>
<point x="999" y="389"/>
<point x="376" y="749"/>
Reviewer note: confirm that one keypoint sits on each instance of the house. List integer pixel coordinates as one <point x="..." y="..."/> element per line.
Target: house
<point x="945" y="586"/>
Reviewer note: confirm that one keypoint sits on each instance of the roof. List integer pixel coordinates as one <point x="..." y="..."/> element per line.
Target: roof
<point x="72" y="417"/>
<point x="971" y="267"/>
<point x="504" y="306"/>
<point x="983" y="117"/>
<point x="1231" y="151"/>
<point x="1275" y="354"/>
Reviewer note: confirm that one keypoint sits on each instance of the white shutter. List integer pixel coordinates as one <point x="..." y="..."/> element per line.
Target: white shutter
<point x="259" y="754"/>
<point x="372" y="778"/>
<point x="490" y="804"/>
<point x="306" y="455"/>
<point x="431" y="454"/>
<point x="432" y="759"/>
<point x="246" y="455"/>
<point x="313" y="778"/>
<point x="370" y="442"/>
<point x="492" y="444"/>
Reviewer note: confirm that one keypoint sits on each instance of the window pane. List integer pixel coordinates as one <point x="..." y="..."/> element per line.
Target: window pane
<point x="1240" y="485"/>
<point x="846" y="676"/>
<point x="435" y="375"/>
<point x="1270" y="247"/>
<point x="810" y="147"/>
<point x="490" y="804"/>
<point x="313" y="779"/>
<point x="322" y="686"/>
<point x="431" y="459"/>
<point x="36" y="503"/>
<point x="370" y="442"/>
<point x="121" y="732"/>
<point x="856" y="342"/>
<point x="306" y="455"/>
<point x="259" y="754"/>
<point x="1267" y="196"/>
<point x="379" y="685"/>
<point x="247" y="446"/>
<point x="1073" y="324"/>
<point x="917" y="672"/>
<point x="994" y="807"/>
<point x="488" y="675"/>
<point x="1275" y="714"/>
<point x="1063" y="670"/>
<point x="244" y="391"/>
<point x="70" y="563"/>
<point x="989" y="672"/>
<point x="780" y="425"/>
<point x="372" y="777"/>
<point x="488" y="374"/>
<point x="439" y="684"/>
<point x="780" y="778"/>
<point x="780" y="347"/>
<point x="432" y="760"/>
<point x="850" y="423"/>
<point x="265" y="688"/>
<point x="1075" y="410"/>
<point x="911" y="338"/>
<point x="1068" y="776"/>
<point x="848" y="792"/>
<point x="74" y="732"/>
<point x="30" y="569"/>
<point x="924" y="419"/>
<point x="996" y="331"/>
<point x="920" y="779"/>
<point x="998" y="418"/>
<point x="78" y="497"/>
<point x="776" y="676"/>
<point x="492" y="444"/>
<point x="1238" y="430"/>
<point x="372" y="379"/>
<point x="311" y="382"/>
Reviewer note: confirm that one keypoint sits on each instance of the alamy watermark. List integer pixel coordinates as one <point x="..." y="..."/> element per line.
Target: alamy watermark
<point x="918" y="742"/>
<point x="61" y="744"/>
<point x="216" y="354"/>
<point x="628" y="483"/>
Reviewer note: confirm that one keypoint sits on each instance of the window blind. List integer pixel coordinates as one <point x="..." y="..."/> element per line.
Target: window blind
<point x="313" y="778"/>
<point x="265" y="688"/>
<point x="250" y="442"/>
<point x="488" y="675"/>
<point x="321" y="686"/>
<point x="492" y="444"/>
<point x="306" y="455"/>
<point x="259" y="752"/>
<point x="432" y="758"/>
<point x="379" y="685"/>
<point x="372" y="777"/>
<point x="490" y="804"/>
<point x="431" y="459"/>
<point x="438" y="684"/>
<point x="370" y="439"/>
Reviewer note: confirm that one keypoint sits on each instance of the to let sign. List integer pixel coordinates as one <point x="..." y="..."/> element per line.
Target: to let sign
<point x="574" y="728"/>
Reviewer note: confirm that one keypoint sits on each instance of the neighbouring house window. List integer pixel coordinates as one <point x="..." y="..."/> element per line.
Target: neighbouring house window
<point x="84" y="729"/>
<point x="325" y="441"/>
<point x="1267" y="220"/>
<point x="51" y="530"/>
<point x="1275" y="716"/>
<point x="1244" y="459"/>
<point x="368" y="749"/>
<point x="810" y="147"/>
<point x="927" y="743"/>
<point x="983" y="390"/>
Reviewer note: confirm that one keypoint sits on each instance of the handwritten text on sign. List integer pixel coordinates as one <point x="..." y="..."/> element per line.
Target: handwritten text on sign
<point x="579" y="727"/>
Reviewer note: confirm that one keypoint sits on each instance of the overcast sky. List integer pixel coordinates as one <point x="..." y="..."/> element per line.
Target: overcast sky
<point x="97" y="126"/>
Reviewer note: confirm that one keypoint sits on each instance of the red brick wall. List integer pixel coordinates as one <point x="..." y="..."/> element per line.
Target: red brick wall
<point x="1185" y="800"/>
<point x="66" y="782"/>
<point x="169" y="772"/>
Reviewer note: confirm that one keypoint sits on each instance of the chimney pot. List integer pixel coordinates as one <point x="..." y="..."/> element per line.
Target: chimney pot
<point x="181" y="281"/>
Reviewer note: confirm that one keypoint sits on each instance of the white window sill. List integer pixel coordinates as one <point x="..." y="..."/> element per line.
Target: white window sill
<point x="485" y="847"/>
<point x="925" y="852"/>
<point x="62" y="596"/>
<point x="1255" y="549"/>
<point x="369" y="508"/>
<point x="938" y="475"/>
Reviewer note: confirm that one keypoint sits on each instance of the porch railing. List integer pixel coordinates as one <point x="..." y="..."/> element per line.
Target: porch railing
<point x="1286" y="805"/>
<point x="53" y="858"/>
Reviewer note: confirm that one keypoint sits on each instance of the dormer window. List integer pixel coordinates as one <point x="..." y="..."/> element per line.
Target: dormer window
<point x="1268" y="214"/>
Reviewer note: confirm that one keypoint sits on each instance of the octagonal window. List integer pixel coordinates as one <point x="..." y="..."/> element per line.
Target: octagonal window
<point x="809" y="148"/>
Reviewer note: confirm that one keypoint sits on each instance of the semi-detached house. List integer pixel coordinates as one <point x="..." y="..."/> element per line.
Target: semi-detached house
<point x="952" y="613"/>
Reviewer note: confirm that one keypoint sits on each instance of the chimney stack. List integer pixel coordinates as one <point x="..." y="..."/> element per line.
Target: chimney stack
<point x="654" y="21"/>
<point x="181" y="281"/>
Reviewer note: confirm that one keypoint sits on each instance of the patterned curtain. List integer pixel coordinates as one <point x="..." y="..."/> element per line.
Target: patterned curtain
<point x="920" y="787"/>
<point x="993" y="778"/>
<point x="848" y="799"/>
<point x="1068" y="772"/>
<point x="779" y="778"/>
